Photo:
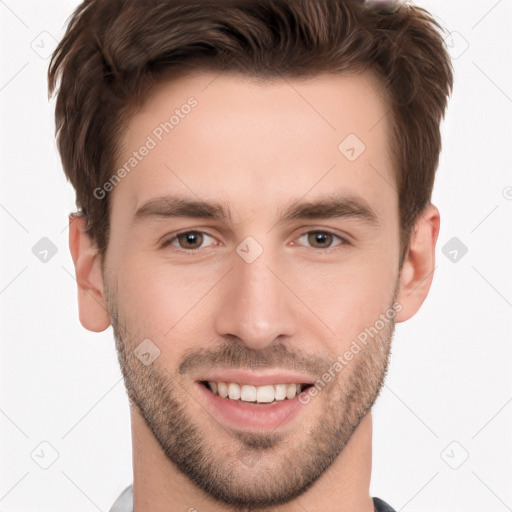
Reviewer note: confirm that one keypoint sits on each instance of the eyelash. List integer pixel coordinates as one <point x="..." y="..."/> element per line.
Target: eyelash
<point x="169" y="241"/>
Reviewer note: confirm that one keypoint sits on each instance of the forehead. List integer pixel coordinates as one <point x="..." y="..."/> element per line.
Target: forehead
<point x="255" y="144"/>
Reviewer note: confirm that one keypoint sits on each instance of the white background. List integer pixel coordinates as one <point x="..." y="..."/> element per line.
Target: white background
<point x="449" y="392"/>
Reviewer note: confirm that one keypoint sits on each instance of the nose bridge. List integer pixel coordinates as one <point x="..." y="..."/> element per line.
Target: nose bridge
<point x="256" y="306"/>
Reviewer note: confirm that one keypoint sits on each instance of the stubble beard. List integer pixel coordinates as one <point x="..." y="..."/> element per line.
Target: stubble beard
<point x="251" y="470"/>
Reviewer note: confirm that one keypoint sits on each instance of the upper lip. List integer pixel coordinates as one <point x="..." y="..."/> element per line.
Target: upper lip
<point x="256" y="378"/>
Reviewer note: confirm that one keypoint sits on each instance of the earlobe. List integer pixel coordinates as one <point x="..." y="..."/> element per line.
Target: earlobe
<point x="419" y="263"/>
<point x="92" y="307"/>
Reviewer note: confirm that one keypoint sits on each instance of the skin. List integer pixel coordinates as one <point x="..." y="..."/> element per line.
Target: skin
<point x="254" y="147"/>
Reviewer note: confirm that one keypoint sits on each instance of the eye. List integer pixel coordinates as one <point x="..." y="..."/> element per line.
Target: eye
<point x="321" y="239"/>
<point x="192" y="241"/>
<point x="187" y="240"/>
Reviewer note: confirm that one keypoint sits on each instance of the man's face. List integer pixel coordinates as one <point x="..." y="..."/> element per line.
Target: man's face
<point x="254" y="298"/>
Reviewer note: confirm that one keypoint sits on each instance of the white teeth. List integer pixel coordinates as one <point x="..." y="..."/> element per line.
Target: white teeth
<point x="265" y="394"/>
<point x="248" y="393"/>
<point x="291" y="390"/>
<point x="234" y="391"/>
<point x="280" y="391"/>
<point x="260" y="394"/>
<point x="222" y="389"/>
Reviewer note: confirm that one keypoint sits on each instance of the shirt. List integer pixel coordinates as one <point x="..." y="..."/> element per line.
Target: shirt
<point x="125" y="503"/>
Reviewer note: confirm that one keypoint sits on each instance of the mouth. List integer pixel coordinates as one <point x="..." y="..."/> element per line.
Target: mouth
<point x="261" y="400"/>
<point x="267" y="394"/>
<point x="248" y="407"/>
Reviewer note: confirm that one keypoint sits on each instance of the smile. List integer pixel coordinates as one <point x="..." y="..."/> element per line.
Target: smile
<point x="256" y="394"/>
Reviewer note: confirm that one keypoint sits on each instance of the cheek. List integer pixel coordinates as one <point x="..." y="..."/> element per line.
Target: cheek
<point x="349" y="296"/>
<point x="160" y="297"/>
<point x="165" y="301"/>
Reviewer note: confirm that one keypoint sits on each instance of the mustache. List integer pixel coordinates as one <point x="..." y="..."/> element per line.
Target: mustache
<point x="233" y="354"/>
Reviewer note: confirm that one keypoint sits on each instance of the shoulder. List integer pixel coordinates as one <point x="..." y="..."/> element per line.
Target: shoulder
<point x="125" y="501"/>
<point x="382" y="506"/>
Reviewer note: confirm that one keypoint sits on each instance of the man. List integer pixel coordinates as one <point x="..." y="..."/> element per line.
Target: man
<point x="253" y="181"/>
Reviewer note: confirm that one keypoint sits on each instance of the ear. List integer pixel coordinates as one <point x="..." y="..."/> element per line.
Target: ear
<point x="92" y="307"/>
<point x="418" y="267"/>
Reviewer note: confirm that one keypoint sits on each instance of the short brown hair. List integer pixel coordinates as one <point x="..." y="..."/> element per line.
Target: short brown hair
<point x="114" y="51"/>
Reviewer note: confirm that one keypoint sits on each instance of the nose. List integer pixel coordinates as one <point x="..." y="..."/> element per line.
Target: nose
<point x="256" y="306"/>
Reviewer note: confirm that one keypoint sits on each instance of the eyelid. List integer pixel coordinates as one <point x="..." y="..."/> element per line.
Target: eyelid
<point x="173" y="237"/>
<point x="344" y="240"/>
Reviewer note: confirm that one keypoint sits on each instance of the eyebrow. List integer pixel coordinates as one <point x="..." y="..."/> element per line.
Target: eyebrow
<point x="338" y="206"/>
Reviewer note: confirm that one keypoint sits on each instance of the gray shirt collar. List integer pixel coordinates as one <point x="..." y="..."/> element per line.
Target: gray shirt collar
<point x="125" y="503"/>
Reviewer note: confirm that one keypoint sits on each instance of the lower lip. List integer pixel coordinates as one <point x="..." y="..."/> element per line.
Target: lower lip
<point x="251" y="415"/>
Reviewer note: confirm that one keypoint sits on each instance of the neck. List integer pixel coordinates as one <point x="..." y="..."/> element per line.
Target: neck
<point x="159" y="487"/>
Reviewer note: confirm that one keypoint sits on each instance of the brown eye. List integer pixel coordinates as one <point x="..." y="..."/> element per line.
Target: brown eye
<point x="190" y="240"/>
<point x="322" y="239"/>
